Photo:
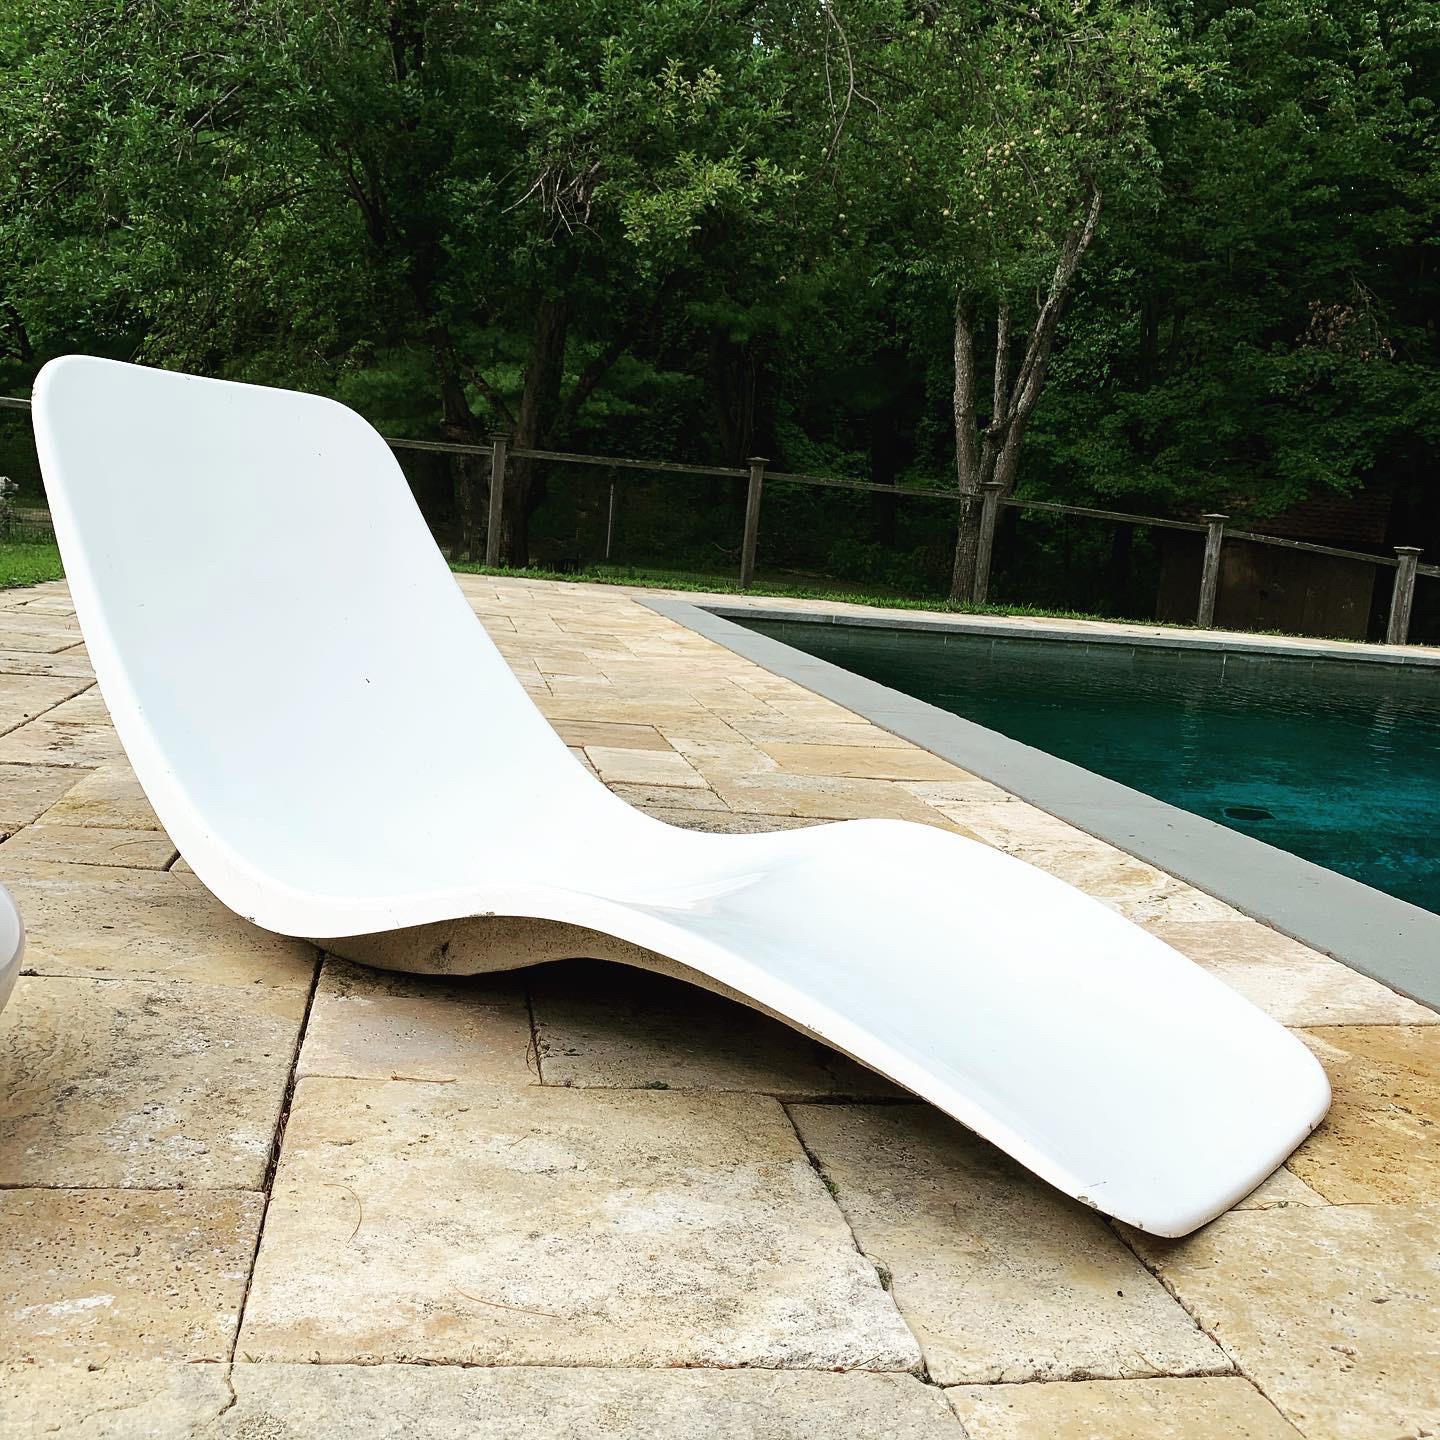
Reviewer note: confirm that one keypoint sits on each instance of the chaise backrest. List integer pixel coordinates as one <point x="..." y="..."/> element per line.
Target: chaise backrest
<point x="284" y="651"/>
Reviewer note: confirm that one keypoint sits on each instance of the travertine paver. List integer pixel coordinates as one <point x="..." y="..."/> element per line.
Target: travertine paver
<point x="1198" y="1408"/>
<point x="614" y="1027"/>
<point x="1288" y="980"/>
<point x="373" y="1025"/>
<point x="1381" y="1139"/>
<point x="27" y="790"/>
<point x="1327" y="1308"/>
<point x="439" y="1403"/>
<point x="53" y="741"/>
<point x="1000" y="1277"/>
<point x="728" y="822"/>
<point x="873" y="762"/>
<point x="38" y="633"/>
<point x="1284" y="1187"/>
<point x="133" y="924"/>
<point x="110" y="797"/>
<point x="820" y="798"/>
<point x="620" y="737"/>
<point x="550" y="1226"/>
<point x="120" y="1399"/>
<point x="135" y="1084"/>
<point x="88" y="845"/>
<point x="23" y="697"/>
<point x="72" y="663"/>
<point x="101" y="1276"/>
<point x="644" y="767"/>
<point x="1333" y="1311"/>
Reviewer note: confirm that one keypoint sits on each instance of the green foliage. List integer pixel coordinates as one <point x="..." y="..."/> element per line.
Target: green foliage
<point x="1270" y="331"/>
<point x="705" y="232"/>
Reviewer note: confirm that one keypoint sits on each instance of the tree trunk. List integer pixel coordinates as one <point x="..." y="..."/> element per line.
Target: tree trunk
<point x="967" y="476"/>
<point x="1000" y="441"/>
<point x="544" y="371"/>
<point x="468" y="473"/>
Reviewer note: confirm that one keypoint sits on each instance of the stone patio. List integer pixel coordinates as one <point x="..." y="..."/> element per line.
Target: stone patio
<point x="250" y="1191"/>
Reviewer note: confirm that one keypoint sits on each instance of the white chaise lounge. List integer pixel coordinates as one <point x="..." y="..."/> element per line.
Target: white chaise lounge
<point x="12" y="945"/>
<point x="340" y="752"/>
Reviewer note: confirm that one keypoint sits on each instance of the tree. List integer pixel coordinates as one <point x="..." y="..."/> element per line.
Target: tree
<point x="1002" y="131"/>
<point x="420" y="177"/>
<point x="1272" y="328"/>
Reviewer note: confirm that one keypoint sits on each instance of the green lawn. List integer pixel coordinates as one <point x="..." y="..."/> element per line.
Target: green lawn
<point x="28" y="564"/>
<point x="728" y="585"/>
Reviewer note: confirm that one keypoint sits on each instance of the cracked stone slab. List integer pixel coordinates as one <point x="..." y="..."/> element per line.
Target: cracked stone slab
<point x="91" y="1276"/>
<point x="336" y="1402"/>
<point x="1284" y="1187"/>
<point x="1333" y="1311"/>
<point x="377" y="1025"/>
<point x="120" y="1083"/>
<point x="1381" y="1139"/>
<point x="610" y="1026"/>
<point x="1288" y="980"/>
<point x="116" y="923"/>
<point x="548" y="1226"/>
<point x="1197" y="1408"/>
<point x="119" y="1400"/>
<point x="88" y="845"/>
<point x="1001" y="1277"/>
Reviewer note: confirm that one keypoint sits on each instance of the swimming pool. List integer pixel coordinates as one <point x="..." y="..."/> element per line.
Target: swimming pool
<point x="1336" y="761"/>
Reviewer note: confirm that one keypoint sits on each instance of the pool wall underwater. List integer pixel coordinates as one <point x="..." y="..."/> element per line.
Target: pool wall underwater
<point x="1373" y="932"/>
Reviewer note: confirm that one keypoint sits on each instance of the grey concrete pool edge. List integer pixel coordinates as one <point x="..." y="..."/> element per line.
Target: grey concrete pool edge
<point x="1388" y="939"/>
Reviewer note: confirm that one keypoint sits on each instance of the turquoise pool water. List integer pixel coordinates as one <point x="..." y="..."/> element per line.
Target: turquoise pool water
<point x="1337" y="762"/>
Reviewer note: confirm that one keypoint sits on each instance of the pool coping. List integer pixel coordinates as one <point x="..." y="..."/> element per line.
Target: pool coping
<point x="1377" y="934"/>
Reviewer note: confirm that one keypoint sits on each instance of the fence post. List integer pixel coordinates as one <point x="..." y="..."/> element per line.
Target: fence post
<point x="1403" y="595"/>
<point x="752" y="521"/>
<point x="989" y="513"/>
<point x="501" y="442"/>
<point x="1210" y="569"/>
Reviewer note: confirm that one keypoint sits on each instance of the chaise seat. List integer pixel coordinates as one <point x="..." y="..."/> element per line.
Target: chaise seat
<point x="340" y="753"/>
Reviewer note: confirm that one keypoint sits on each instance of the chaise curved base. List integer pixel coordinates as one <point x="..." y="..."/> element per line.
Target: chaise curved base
<point x="1090" y="1051"/>
<point x="341" y="753"/>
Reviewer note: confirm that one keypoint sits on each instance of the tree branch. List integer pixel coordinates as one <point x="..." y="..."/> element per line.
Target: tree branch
<point x="1027" y="384"/>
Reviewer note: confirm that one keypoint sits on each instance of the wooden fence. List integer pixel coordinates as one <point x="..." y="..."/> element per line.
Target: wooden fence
<point x="1214" y="527"/>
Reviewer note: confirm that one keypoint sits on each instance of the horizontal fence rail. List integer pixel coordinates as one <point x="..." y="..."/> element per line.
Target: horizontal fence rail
<point x="1405" y="561"/>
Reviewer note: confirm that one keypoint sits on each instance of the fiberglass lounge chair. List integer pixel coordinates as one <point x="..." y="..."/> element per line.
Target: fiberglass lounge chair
<point x="12" y="945"/>
<point x="341" y="753"/>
